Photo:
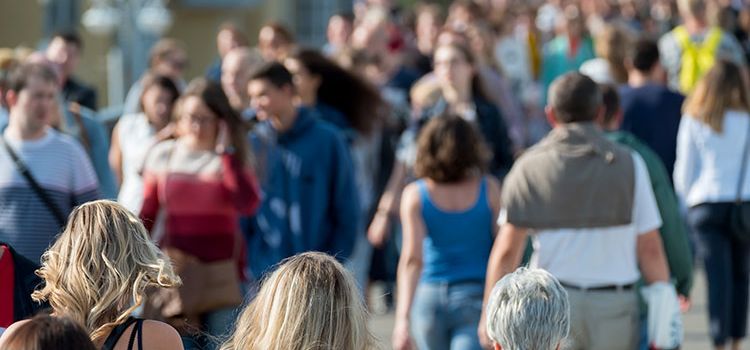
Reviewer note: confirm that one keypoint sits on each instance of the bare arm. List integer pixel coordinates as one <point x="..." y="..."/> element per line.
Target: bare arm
<point x="651" y="257"/>
<point x="409" y="265"/>
<point x="388" y="204"/>
<point x="115" y="156"/>
<point x="494" y="193"/>
<point x="506" y="255"/>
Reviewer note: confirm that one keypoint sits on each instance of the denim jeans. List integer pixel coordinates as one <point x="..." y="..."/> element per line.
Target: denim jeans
<point x="217" y="325"/>
<point x="727" y="264"/>
<point x="446" y="315"/>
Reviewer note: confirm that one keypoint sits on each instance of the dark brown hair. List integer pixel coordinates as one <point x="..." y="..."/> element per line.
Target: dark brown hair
<point x="213" y="96"/>
<point x="162" y="81"/>
<point x="348" y="93"/>
<point x="20" y="76"/>
<point x="449" y="149"/>
<point x="610" y="101"/>
<point x="47" y="332"/>
<point x="574" y="97"/>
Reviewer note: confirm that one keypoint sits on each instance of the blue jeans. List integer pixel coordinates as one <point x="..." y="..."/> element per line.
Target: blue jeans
<point x="727" y="263"/>
<point x="446" y="316"/>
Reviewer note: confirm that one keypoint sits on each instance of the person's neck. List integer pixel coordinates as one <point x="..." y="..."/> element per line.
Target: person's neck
<point x="638" y="79"/>
<point x="284" y="121"/>
<point x="24" y="134"/>
<point x="308" y="101"/>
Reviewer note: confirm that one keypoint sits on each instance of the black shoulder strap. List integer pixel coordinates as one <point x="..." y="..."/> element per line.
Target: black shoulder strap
<point x="117" y="332"/>
<point x="40" y="192"/>
<point x="137" y="331"/>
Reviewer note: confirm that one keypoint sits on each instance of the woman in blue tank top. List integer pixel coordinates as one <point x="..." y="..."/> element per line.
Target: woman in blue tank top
<point x="448" y="219"/>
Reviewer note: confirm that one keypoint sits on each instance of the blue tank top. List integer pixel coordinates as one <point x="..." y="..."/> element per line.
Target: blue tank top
<point x="457" y="244"/>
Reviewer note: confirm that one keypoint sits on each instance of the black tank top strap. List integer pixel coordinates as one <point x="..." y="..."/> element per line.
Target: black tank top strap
<point x="137" y="332"/>
<point x="117" y="332"/>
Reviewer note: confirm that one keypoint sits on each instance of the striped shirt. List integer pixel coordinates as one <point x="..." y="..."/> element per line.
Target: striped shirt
<point x="61" y="167"/>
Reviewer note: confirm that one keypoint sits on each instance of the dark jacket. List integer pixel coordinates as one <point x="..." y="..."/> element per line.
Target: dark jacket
<point x="25" y="282"/>
<point x="75" y="91"/>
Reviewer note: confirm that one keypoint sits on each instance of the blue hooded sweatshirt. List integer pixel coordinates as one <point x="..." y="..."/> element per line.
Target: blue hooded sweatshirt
<point x="309" y="200"/>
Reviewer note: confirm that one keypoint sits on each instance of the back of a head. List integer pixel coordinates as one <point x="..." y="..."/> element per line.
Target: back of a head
<point x="450" y="149"/>
<point x="310" y="302"/>
<point x="528" y="310"/>
<point x="610" y="102"/>
<point x="45" y="332"/>
<point x="723" y="88"/>
<point x="643" y="55"/>
<point x="102" y="260"/>
<point x="692" y="8"/>
<point x="574" y="97"/>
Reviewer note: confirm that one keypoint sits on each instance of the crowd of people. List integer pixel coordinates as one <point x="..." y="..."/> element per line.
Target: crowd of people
<point x="433" y="149"/>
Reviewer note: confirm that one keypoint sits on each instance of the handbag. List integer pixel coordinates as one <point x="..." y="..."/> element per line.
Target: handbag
<point x="739" y="215"/>
<point x="206" y="286"/>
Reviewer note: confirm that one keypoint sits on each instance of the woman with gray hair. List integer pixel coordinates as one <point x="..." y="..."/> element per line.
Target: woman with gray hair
<point x="528" y="310"/>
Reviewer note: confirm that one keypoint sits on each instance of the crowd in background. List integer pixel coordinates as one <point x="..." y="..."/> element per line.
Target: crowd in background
<point x="431" y="150"/>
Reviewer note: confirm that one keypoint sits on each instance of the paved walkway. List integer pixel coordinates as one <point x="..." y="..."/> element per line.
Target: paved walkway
<point x="696" y="322"/>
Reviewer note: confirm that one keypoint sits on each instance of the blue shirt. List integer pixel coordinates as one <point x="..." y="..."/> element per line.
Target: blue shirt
<point x="652" y="113"/>
<point x="457" y="244"/>
<point x="310" y="200"/>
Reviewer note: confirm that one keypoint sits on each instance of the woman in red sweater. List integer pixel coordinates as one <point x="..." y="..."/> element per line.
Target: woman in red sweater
<point x="195" y="189"/>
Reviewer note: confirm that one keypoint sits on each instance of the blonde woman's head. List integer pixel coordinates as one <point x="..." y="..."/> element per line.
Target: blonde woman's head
<point x="723" y="88"/>
<point x="97" y="270"/>
<point x="309" y="303"/>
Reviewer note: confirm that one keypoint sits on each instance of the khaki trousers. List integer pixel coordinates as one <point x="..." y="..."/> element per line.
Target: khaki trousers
<point x="603" y="320"/>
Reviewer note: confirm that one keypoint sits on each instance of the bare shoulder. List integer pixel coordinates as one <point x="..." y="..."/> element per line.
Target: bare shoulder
<point x="160" y="336"/>
<point x="10" y="330"/>
<point x="410" y="196"/>
<point x="493" y="186"/>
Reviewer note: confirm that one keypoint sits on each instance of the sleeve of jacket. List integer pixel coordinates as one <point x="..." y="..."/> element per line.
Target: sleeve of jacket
<point x="345" y="206"/>
<point x="673" y="231"/>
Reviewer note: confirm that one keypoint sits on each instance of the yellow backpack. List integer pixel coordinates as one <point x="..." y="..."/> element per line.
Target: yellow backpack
<point x="697" y="58"/>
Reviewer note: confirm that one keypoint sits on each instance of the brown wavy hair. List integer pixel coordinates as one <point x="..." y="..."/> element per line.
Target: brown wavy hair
<point x="449" y="149"/>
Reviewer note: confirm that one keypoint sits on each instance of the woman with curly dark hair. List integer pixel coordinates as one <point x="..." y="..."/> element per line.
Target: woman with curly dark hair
<point x="448" y="225"/>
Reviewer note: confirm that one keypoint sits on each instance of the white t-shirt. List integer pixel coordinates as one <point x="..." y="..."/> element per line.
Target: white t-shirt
<point x="594" y="257"/>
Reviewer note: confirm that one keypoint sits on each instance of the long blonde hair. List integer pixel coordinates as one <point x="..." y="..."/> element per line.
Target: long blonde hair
<point x="97" y="270"/>
<point x="724" y="87"/>
<point x="309" y="303"/>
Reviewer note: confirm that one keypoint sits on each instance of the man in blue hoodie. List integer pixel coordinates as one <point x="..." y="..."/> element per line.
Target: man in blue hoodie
<point x="309" y="195"/>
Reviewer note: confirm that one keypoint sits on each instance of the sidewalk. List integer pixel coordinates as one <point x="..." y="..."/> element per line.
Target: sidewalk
<point x="696" y="321"/>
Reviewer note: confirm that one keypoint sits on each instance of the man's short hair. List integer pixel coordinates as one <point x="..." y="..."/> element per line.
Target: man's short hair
<point x="610" y="102"/>
<point x="528" y="309"/>
<point x="644" y="54"/>
<point x="20" y="76"/>
<point x="275" y="73"/>
<point x="574" y="97"/>
<point x="70" y="38"/>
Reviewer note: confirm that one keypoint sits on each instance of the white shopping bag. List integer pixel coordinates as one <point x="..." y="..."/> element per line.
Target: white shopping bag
<point x="665" y="329"/>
